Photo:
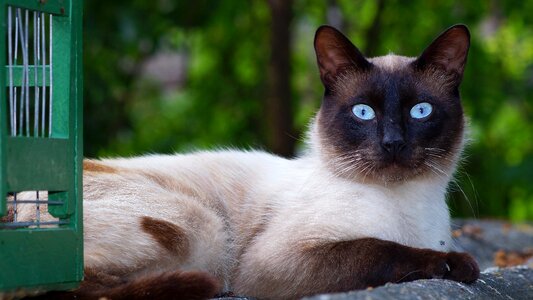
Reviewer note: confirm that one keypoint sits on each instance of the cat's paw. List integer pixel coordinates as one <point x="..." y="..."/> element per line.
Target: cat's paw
<point x="453" y="265"/>
<point x="462" y="267"/>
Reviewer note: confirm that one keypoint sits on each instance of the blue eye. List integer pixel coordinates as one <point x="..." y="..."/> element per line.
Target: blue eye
<point x="363" y="112"/>
<point x="421" y="110"/>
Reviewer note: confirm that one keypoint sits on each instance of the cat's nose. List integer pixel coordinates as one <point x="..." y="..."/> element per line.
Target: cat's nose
<point x="393" y="144"/>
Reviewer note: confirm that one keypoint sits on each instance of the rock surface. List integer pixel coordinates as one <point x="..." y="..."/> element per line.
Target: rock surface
<point x="503" y="250"/>
<point x="494" y="243"/>
<point x="498" y="283"/>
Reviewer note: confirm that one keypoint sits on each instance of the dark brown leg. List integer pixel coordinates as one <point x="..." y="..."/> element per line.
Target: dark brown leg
<point x="311" y="268"/>
<point x="371" y="262"/>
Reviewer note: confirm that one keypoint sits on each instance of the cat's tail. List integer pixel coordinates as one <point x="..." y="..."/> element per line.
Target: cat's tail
<point x="170" y="285"/>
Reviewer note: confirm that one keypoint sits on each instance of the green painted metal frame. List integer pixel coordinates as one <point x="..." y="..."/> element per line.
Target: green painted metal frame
<point x="46" y="258"/>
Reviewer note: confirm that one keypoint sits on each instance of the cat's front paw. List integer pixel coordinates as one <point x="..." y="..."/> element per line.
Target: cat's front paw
<point x="462" y="267"/>
<point x="453" y="265"/>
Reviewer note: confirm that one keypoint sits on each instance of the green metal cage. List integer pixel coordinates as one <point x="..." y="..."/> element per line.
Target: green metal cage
<point x="41" y="242"/>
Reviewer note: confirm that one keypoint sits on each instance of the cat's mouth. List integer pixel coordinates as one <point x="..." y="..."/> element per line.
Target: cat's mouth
<point x="385" y="168"/>
<point x="373" y="164"/>
<point x="397" y="170"/>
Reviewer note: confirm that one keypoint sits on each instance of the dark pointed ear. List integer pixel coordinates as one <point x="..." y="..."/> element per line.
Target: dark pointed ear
<point x="335" y="54"/>
<point x="447" y="52"/>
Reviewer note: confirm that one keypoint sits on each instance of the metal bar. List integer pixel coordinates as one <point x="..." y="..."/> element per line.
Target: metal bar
<point x="51" y="81"/>
<point x="23" y="88"/>
<point x="43" y="40"/>
<point x="36" y="58"/>
<point x="5" y="120"/>
<point x="10" y="62"/>
<point x="15" y="212"/>
<point x="37" y="63"/>
<point x="37" y="208"/>
<point x="26" y="68"/>
<point x="28" y="224"/>
<point x="14" y="116"/>
<point x="37" y="201"/>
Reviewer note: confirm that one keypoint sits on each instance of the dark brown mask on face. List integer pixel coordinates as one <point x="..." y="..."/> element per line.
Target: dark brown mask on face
<point x="391" y="118"/>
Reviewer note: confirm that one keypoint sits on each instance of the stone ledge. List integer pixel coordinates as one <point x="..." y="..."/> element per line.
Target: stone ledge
<point x="494" y="283"/>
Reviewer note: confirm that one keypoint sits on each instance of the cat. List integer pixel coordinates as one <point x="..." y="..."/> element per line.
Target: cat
<point x="365" y="205"/>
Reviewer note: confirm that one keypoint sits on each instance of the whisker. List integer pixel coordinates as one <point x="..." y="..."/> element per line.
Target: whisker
<point x="405" y="276"/>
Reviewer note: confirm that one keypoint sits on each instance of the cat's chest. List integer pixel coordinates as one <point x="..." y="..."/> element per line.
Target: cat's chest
<point x="414" y="215"/>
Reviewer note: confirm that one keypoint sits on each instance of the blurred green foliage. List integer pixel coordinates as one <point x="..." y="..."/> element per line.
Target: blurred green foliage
<point x="225" y="45"/>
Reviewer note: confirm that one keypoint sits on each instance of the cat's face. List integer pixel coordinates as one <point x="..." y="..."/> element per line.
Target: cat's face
<point x="391" y="118"/>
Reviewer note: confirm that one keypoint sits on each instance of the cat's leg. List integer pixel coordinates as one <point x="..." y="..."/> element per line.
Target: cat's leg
<point x="313" y="267"/>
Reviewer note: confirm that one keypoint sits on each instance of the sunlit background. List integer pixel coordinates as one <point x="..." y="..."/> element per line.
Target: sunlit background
<point x="167" y="75"/>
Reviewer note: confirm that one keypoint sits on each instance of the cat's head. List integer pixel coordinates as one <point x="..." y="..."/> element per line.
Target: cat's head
<point x="390" y="118"/>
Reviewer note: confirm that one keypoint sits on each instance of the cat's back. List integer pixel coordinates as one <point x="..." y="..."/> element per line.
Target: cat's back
<point x="200" y="161"/>
<point x="195" y="173"/>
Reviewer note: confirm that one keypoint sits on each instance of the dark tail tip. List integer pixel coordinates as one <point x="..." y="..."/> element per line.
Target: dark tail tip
<point x="186" y="285"/>
<point x="170" y="285"/>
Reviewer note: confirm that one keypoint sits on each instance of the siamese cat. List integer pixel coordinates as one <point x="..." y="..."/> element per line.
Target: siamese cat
<point x="365" y="205"/>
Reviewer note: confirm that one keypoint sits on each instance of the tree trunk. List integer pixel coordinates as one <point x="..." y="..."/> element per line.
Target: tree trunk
<point x="278" y="102"/>
<point x="374" y="31"/>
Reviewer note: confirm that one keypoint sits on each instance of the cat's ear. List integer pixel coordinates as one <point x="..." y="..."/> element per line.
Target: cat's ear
<point x="447" y="52"/>
<point x="335" y="54"/>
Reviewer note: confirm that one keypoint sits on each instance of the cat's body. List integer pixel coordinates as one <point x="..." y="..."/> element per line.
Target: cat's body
<point x="365" y="205"/>
<point x="242" y="211"/>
